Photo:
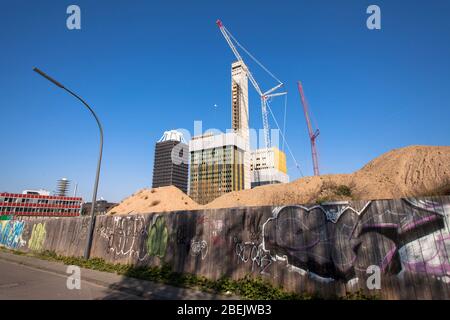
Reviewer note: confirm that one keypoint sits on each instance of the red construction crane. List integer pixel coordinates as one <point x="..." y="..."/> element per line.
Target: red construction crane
<point x="312" y="134"/>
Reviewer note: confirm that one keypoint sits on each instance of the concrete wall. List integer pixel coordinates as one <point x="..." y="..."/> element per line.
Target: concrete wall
<point x="317" y="249"/>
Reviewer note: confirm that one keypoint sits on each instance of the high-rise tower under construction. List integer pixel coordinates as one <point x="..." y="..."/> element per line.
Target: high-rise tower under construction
<point x="239" y="112"/>
<point x="221" y="163"/>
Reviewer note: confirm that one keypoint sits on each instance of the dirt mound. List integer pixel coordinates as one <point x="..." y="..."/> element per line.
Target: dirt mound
<point x="410" y="171"/>
<point x="305" y="190"/>
<point x="155" y="200"/>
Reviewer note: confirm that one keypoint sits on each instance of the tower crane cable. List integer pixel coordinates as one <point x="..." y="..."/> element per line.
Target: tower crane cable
<point x="251" y="56"/>
<point x="284" y="139"/>
<point x="284" y="120"/>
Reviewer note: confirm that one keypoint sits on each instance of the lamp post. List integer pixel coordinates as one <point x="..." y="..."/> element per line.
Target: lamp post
<point x="94" y="195"/>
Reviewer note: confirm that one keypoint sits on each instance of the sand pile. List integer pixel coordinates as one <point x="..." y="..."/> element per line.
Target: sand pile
<point x="410" y="171"/>
<point x="414" y="170"/>
<point x="155" y="200"/>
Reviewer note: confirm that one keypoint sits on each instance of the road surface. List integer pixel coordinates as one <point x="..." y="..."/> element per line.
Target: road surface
<point x="23" y="282"/>
<point x="24" y="277"/>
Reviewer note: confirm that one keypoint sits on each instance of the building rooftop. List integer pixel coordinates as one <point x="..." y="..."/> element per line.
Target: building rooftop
<point x="172" y="135"/>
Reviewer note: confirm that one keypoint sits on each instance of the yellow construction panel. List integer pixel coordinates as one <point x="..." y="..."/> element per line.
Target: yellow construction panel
<point x="280" y="160"/>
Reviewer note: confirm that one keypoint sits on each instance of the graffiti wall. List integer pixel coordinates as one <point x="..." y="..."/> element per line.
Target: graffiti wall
<point x="65" y="236"/>
<point x="327" y="249"/>
<point x="10" y="233"/>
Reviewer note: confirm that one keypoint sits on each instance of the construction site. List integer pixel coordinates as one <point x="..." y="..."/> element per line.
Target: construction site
<point x="231" y="213"/>
<point x="224" y="172"/>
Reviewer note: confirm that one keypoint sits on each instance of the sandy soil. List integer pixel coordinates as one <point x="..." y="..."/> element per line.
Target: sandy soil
<point x="155" y="200"/>
<point x="409" y="171"/>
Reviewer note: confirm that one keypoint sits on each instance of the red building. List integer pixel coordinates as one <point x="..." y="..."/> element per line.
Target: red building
<point x="35" y="203"/>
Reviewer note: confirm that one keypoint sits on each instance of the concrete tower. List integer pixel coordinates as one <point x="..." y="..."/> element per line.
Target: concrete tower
<point x="239" y="112"/>
<point x="62" y="187"/>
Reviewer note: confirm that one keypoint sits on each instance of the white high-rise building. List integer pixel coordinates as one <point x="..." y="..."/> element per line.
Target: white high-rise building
<point x="239" y="112"/>
<point x="268" y="166"/>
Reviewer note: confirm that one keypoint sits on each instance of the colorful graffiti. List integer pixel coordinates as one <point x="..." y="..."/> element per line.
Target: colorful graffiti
<point x="338" y="242"/>
<point x="157" y="238"/>
<point x="37" y="238"/>
<point x="11" y="233"/>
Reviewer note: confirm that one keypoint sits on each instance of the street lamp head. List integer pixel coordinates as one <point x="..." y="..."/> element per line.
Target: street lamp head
<point x="48" y="77"/>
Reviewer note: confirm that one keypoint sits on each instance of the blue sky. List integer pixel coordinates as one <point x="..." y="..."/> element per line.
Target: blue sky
<point x="151" y="66"/>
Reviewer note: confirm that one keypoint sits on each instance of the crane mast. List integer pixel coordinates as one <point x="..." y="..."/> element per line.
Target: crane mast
<point x="312" y="134"/>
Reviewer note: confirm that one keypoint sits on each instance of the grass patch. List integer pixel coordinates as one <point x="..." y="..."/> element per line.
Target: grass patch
<point x="331" y="191"/>
<point x="359" y="295"/>
<point x="343" y="190"/>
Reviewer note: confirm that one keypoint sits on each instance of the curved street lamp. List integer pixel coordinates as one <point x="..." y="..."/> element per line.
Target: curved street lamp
<point x="87" y="250"/>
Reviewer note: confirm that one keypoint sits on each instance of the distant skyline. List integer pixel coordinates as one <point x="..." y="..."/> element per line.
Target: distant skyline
<point x="149" y="66"/>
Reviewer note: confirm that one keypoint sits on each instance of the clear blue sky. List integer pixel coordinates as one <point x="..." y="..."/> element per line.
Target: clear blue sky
<point x="150" y="66"/>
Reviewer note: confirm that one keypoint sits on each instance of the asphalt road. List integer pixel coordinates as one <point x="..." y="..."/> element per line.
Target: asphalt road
<point x="26" y="277"/>
<point x="23" y="282"/>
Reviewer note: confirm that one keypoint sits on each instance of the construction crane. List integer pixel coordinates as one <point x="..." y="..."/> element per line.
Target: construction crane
<point x="312" y="134"/>
<point x="265" y="96"/>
